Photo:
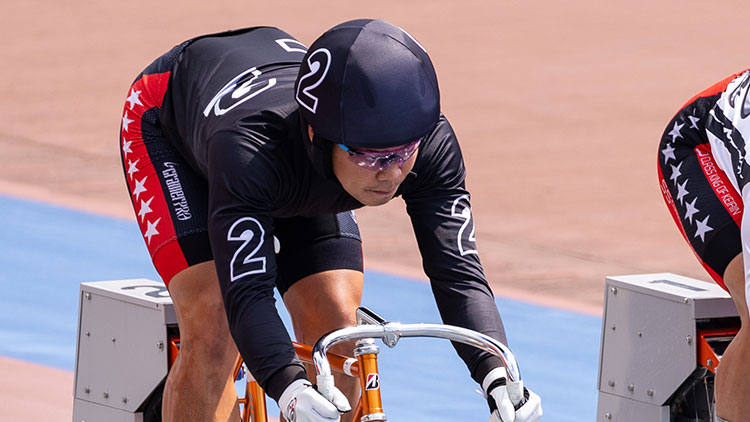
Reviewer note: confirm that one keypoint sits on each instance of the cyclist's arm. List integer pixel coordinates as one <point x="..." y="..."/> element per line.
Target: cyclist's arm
<point x="440" y="211"/>
<point x="241" y="234"/>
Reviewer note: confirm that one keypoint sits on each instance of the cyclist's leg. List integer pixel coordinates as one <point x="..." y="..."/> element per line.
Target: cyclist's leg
<point x="320" y="279"/>
<point x="733" y="375"/>
<point x="199" y="386"/>
<point x="323" y="302"/>
<point x="170" y="202"/>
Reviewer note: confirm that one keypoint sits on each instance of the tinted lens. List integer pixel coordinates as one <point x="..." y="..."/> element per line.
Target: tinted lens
<point x="379" y="160"/>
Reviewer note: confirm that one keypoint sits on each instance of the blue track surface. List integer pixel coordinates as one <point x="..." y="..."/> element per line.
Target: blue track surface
<point x="47" y="251"/>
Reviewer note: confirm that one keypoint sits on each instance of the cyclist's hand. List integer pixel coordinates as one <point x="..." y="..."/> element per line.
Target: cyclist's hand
<point x="301" y="402"/>
<point x="503" y="408"/>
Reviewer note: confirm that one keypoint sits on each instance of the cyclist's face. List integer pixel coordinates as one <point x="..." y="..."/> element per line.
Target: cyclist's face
<point x="367" y="186"/>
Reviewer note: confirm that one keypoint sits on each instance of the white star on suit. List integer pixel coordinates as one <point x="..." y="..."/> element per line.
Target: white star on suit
<point x="139" y="187"/>
<point x="682" y="191"/>
<point x="675" y="132"/>
<point x="703" y="228"/>
<point x="691" y="210"/>
<point x="151" y="230"/>
<point x="126" y="148"/>
<point x="668" y="153"/>
<point x="126" y="122"/>
<point x="675" y="172"/>
<point x="145" y="208"/>
<point x="132" y="169"/>
<point x="133" y="98"/>
<point x="694" y="122"/>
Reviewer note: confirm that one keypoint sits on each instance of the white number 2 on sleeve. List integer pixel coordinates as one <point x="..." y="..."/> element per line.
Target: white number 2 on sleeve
<point x="466" y="241"/>
<point x="244" y="262"/>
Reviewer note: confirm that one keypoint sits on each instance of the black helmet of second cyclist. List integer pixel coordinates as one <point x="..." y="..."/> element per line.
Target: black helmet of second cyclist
<point x="367" y="84"/>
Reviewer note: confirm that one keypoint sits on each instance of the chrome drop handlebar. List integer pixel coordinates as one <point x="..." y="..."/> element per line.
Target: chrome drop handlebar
<point x="391" y="332"/>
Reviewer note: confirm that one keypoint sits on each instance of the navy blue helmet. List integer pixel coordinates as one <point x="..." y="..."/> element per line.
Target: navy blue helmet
<point x="368" y="84"/>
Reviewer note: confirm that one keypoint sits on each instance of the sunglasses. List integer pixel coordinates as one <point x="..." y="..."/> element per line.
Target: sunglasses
<point x="380" y="160"/>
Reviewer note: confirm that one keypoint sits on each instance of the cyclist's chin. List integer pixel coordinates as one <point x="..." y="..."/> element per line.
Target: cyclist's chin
<point x="373" y="198"/>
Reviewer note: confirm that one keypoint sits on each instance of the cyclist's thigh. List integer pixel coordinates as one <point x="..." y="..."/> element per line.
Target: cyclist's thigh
<point x="320" y="273"/>
<point x="734" y="278"/>
<point x="702" y="201"/>
<point x="198" y="302"/>
<point x="169" y="198"/>
<point x="313" y="245"/>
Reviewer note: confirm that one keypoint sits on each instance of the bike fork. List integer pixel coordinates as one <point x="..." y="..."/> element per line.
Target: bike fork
<point x="366" y="352"/>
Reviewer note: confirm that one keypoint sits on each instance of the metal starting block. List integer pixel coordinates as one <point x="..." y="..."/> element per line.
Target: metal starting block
<point x="653" y="331"/>
<point x="122" y="348"/>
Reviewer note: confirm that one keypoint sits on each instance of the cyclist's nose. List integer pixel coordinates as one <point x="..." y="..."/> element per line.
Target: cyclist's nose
<point x="393" y="171"/>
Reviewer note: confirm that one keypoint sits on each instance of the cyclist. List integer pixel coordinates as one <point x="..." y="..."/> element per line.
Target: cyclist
<point x="703" y="174"/>
<point x="245" y="154"/>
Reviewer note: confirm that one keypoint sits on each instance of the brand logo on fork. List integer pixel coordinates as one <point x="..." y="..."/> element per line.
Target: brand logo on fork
<point x="373" y="382"/>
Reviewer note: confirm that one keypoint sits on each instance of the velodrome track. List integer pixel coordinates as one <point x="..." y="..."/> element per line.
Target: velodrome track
<point x="558" y="107"/>
<point x="55" y="249"/>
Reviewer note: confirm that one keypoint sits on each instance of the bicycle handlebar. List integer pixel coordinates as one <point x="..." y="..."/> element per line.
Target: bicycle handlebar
<point x="391" y="332"/>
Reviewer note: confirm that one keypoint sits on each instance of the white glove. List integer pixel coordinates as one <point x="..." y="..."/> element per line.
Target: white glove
<point x="526" y="407"/>
<point x="301" y="402"/>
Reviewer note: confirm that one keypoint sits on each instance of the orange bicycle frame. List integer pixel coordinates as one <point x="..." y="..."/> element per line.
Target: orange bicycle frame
<point x="253" y="403"/>
<point x="369" y="407"/>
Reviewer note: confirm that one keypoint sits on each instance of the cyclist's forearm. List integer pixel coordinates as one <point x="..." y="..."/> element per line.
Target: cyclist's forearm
<point x="278" y="382"/>
<point x="470" y="304"/>
<point x="261" y="337"/>
<point x="243" y="248"/>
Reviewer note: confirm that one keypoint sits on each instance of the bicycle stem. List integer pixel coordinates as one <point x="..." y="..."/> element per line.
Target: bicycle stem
<point x="391" y="332"/>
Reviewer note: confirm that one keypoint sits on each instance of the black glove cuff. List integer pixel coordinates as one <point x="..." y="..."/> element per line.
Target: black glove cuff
<point x="494" y="384"/>
<point x="501" y="382"/>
